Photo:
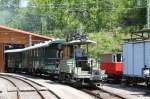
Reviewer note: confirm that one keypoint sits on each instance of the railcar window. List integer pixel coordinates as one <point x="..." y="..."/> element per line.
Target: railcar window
<point x="119" y="57"/>
<point x="37" y="52"/>
<point x="114" y="58"/>
<point x="34" y="53"/>
<point x="71" y="52"/>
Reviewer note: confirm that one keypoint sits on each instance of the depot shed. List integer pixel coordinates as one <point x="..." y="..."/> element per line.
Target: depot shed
<point x="14" y="37"/>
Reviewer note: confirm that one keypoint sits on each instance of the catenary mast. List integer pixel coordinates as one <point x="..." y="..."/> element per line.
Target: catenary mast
<point x="148" y="13"/>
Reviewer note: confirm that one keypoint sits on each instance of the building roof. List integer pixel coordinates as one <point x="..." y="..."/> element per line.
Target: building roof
<point x="23" y="32"/>
<point x="16" y="36"/>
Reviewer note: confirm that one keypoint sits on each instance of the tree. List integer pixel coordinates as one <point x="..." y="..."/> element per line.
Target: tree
<point x="8" y="10"/>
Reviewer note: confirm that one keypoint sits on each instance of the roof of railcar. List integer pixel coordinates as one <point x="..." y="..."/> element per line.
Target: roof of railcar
<point x="47" y="43"/>
<point x="80" y="42"/>
<point x="140" y="35"/>
<point x="146" y="30"/>
<point x="40" y="45"/>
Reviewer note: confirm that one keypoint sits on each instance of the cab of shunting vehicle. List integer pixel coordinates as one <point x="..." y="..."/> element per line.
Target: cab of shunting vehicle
<point x="76" y="55"/>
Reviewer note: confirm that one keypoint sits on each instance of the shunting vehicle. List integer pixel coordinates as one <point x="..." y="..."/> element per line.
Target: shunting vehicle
<point x="81" y="71"/>
<point x="112" y="63"/>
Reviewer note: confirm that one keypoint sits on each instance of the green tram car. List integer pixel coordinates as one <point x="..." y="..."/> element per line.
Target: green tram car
<point x="41" y="59"/>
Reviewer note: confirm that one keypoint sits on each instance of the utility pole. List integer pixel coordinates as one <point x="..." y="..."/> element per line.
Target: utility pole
<point x="148" y="13"/>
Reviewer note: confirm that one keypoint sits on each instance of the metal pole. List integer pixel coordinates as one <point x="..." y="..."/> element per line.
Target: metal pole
<point x="148" y="13"/>
<point x="30" y="40"/>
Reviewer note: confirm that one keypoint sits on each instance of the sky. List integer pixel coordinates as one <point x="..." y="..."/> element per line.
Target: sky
<point x="23" y="3"/>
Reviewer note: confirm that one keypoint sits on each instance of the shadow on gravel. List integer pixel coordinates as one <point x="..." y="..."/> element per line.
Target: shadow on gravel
<point x="54" y="83"/>
<point x="142" y="90"/>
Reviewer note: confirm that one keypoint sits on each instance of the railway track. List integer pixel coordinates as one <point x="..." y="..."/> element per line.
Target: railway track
<point x="98" y="93"/>
<point x="37" y="90"/>
<point x="27" y="89"/>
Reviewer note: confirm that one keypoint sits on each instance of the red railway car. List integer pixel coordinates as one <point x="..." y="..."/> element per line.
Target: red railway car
<point x="113" y="65"/>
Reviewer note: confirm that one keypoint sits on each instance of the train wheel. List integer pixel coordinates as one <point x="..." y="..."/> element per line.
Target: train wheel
<point x="148" y="83"/>
<point x="77" y="84"/>
<point x="127" y="82"/>
<point x="61" y="77"/>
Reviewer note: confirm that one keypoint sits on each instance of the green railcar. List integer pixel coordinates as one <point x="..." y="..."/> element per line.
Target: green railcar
<point x="42" y="59"/>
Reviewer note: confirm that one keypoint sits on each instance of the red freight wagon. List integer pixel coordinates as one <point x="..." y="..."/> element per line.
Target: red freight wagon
<point x="112" y="64"/>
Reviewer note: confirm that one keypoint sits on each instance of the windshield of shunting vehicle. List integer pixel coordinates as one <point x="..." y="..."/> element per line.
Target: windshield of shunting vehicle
<point x="117" y="57"/>
<point x="82" y="49"/>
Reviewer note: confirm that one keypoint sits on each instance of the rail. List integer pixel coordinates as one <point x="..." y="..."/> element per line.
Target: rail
<point x="27" y="81"/>
<point x="98" y="93"/>
<point x="18" y="90"/>
<point x="111" y="93"/>
<point x="41" y="86"/>
<point x="96" y="96"/>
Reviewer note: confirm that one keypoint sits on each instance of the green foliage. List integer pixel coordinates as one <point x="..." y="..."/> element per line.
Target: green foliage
<point x="60" y="17"/>
<point x="106" y="42"/>
<point x="68" y="16"/>
<point x="8" y="10"/>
